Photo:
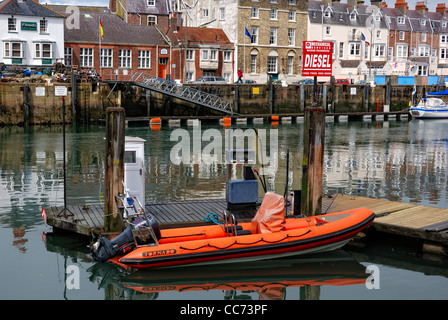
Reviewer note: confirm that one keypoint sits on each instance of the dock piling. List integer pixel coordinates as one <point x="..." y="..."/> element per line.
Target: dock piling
<point x="115" y="133"/>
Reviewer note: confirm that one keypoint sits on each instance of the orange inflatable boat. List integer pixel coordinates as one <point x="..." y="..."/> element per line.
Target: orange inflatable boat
<point x="268" y="235"/>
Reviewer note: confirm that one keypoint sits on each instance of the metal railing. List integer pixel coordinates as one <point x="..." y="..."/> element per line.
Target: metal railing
<point x="175" y="90"/>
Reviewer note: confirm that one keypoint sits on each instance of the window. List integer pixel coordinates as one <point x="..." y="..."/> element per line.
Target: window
<point x="144" y="59"/>
<point x="254" y="13"/>
<point x="379" y="50"/>
<point x="443" y="53"/>
<point x="222" y="13"/>
<point x="353" y="16"/>
<point x="13" y="50"/>
<point x="273" y="36"/>
<point x="328" y="30"/>
<point x="390" y="53"/>
<point x="253" y="63"/>
<point x="422" y="70"/>
<point x="355" y="49"/>
<point x="227" y="56"/>
<point x="341" y="50"/>
<point x="423" y="22"/>
<point x="106" y="58"/>
<point x="204" y="54"/>
<point x="124" y="58"/>
<point x="290" y="65"/>
<point x="291" y="37"/>
<point x="443" y="38"/>
<point x="12" y="24"/>
<point x="43" y="50"/>
<point x="190" y="54"/>
<point x="400" y="20"/>
<point x="68" y="56"/>
<point x="272" y="64"/>
<point x="226" y="76"/>
<point x="402" y="51"/>
<point x="292" y="15"/>
<point x="444" y="24"/>
<point x="366" y="51"/>
<point x="423" y="51"/>
<point x="254" y="32"/>
<point x="204" y="13"/>
<point x="43" y="26"/>
<point x="401" y="35"/>
<point x="151" y="3"/>
<point x="273" y="14"/>
<point x="327" y="13"/>
<point x="378" y="34"/>
<point x="424" y="37"/>
<point x="86" y="57"/>
<point x="189" y="76"/>
<point x="213" y="54"/>
<point x="292" y="2"/>
<point x="151" y="20"/>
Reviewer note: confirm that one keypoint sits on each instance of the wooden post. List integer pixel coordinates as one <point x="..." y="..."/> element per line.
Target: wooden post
<point x="313" y="160"/>
<point x="115" y="132"/>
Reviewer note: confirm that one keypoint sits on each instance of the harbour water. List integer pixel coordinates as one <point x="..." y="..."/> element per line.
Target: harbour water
<point x="393" y="160"/>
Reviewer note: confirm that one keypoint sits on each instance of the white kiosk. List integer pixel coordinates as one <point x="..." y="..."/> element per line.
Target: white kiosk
<point x="134" y="169"/>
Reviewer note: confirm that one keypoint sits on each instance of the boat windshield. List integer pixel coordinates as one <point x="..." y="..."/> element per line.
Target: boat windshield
<point x="435" y="102"/>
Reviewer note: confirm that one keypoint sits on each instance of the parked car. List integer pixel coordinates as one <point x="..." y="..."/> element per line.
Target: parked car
<point x="210" y="80"/>
<point x="305" y="81"/>
<point x="339" y="82"/>
<point x="361" y="82"/>
<point x="249" y="81"/>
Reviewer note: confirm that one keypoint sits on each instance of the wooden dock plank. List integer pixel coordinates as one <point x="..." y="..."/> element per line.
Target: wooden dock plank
<point x="392" y="217"/>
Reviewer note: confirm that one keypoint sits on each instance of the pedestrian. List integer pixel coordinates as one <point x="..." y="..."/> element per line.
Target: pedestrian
<point x="240" y="76"/>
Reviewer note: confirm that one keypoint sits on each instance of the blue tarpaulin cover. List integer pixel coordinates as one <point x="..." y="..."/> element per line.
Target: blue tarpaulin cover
<point x="439" y="93"/>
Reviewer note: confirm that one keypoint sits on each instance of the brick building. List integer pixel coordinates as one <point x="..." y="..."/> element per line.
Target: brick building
<point x="200" y="51"/>
<point x="125" y="48"/>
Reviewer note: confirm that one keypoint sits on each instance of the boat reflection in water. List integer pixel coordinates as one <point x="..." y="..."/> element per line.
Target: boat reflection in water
<point x="267" y="279"/>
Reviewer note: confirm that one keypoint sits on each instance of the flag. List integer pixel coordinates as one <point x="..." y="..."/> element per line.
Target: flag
<point x="101" y="30"/>
<point x="364" y="39"/>
<point x="247" y="33"/>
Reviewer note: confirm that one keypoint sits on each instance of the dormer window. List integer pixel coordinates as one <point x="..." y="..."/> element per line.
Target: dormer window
<point x="377" y="17"/>
<point x="327" y="14"/>
<point x="353" y="16"/>
<point x="151" y="3"/>
<point x="400" y="20"/>
<point x="444" y="23"/>
<point x="423" y="22"/>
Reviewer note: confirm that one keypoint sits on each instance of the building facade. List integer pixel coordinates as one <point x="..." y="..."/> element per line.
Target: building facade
<point x="124" y="48"/>
<point x="32" y="35"/>
<point x="276" y="28"/>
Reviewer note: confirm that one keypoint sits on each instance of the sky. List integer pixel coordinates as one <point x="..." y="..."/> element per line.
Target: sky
<point x="431" y="4"/>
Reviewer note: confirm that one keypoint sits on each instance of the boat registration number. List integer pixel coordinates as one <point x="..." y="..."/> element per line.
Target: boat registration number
<point x="158" y="253"/>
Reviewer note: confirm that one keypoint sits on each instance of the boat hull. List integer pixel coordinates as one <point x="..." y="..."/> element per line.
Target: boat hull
<point x="423" y="113"/>
<point x="302" y="236"/>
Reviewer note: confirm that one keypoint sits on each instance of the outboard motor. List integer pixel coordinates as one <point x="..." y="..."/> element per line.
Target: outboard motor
<point x="105" y="249"/>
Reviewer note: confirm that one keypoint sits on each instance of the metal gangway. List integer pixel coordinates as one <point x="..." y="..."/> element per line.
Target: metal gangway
<point x="170" y="88"/>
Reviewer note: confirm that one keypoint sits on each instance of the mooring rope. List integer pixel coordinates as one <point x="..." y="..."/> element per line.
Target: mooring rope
<point x="244" y="244"/>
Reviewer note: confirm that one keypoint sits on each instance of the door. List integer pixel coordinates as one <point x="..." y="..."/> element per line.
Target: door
<point x="134" y="174"/>
<point x="162" y="67"/>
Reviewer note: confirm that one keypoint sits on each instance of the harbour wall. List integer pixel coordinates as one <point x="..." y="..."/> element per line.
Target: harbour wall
<point x="36" y="103"/>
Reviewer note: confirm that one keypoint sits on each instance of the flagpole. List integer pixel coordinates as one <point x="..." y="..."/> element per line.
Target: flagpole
<point x="244" y="67"/>
<point x="99" y="38"/>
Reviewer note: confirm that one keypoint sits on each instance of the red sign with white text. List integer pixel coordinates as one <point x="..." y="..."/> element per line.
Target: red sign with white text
<point x="317" y="58"/>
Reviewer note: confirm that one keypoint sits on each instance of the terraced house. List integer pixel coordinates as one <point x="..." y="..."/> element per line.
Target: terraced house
<point x="272" y="45"/>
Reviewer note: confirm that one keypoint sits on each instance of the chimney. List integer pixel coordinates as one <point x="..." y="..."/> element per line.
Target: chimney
<point x="441" y="8"/>
<point x="113" y="6"/>
<point x="402" y="6"/>
<point x="421" y="7"/>
<point x="384" y="4"/>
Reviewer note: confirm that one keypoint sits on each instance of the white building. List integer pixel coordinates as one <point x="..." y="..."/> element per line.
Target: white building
<point x="31" y="34"/>
<point x="359" y="34"/>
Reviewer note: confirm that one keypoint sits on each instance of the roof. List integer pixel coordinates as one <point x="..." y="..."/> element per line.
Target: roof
<point x="199" y="36"/>
<point x="27" y="8"/>
<point x="115" y="29"/>
<point x="340" y="14"/>
<point x="162" y="7"/>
